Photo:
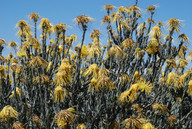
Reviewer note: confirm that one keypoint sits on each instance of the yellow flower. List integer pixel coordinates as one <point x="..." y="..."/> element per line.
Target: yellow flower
<point x="129" y="95"/>
<point x="124" y="79"/>
<point x="24" y="28"/>
<point x="182" y="51"/>
<point x="171" y="63"/>
<point x="141" y="29"/>
<point x="81" y="126"/>
<point x="83" y="20"/>
<point x="104" y="72"/>
<point x="155" y="32"/>
<point x="115" y="52"/>
<point x="60" y="93"/>
<point x="104" y="83"/>
<point x="94" y="50"/>
<point x="182" y="63"/>
<point x="95" y="34"/>
<point x="147" y="87"/>
<point x="84" y="51"/>
<point x="2" y="41"/>
<point x="122" y="10"/>
<point x="92" y="71"/>
<point x="153" y="47"/>
<point x="38" y="62"/>
<point x="116" y="17"/>
<point x="127" y="43"/>
<point x="160" y="107"/>
<point x="109" y="7"/>
<point x="106" y="19"/>
<point x="134" y="123"/>
<point x="2" y="71"/>
<point x="12" y="44"/>
<point x="149" y="20"/>
<point x="34" y="17"/>
<point x="92" y="85"/>
<point x="34" y="43"/>
<point x="65" y="117"/>
<point x="172" y="119"/>
<point x="183" y="38"/>
<point x="160" y="23"/>
<point x="18" y="93"/>
<point x="46" y="24"/>
<point x="63" y="77"/>
<point x="133" y="9"/>
<point x="18" y="125"/>
<point x="8" y="112"/>
<point x="189" y="91"/>
<point x="113" y="125"/>
<point x="148" y="126"/>
<point x="174" y="24"/>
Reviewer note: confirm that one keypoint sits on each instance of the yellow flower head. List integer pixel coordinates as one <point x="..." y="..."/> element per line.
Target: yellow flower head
<point x="93" y="70"/>
<point x="8" y="112"/>
<point x="182" y="51"/>
<point x="160" y="107"/>
<point x="104" y="83"/>
<point x="141" y="28"/>
<point x="183" y="38"/>
<point x="189" y="91"/>
<point x="81" y="126"/>
<point x="83" y="20"/>
<point x="127" y="43"/>
<point x="94" y="50"/>
<point x="155" y="32"/>
<point x="104" y="72"/>
<point x="133" y="9"/>
<point x="106" y="19"/>
<point x="174" y="79"/>
<point x="2" y="41"/>
<point x="147" y="87"/>
<point x="18" y="93"/>
<point x="148" y="126"/>
<point x="95" y="34"/>
<point x="174" y="24"/>
<point x="151" y="8"/>
<point x="60" y="94"/>
<point x="65" y="117"/>
<point x="153" y="47"/>
<point x="46" y="24"/>
<point x="160" y="23"/>
<point x="2" y="71"/>
<point x="115" y="52"/>
<point x="63" y="77"/>
<point x="122" y="10"/>
<point x="12" y="44"/>
<point x="18" y="125"/>
<point x="182" y="63"/>
<point x="129" y="95"/>
<point x="34" y="17"/>
<point x="134" y="123"/>
<point x="172" y="119"/>
<point x="109" y="7"/>
<point x="124" y="79"/>
<point x="38" y="62"/>
<point x="171" y="63"/>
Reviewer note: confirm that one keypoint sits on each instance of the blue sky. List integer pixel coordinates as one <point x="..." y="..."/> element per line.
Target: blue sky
<point x="65" y="11"/>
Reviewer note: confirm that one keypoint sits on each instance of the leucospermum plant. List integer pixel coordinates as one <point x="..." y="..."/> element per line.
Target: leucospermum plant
<point x="137" y="79"/>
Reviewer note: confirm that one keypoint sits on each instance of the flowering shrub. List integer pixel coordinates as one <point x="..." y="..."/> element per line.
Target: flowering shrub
<point x="137" y="80"/>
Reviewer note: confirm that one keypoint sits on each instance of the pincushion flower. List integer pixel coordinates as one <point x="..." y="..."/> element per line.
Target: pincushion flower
<point x="8" y="112"/>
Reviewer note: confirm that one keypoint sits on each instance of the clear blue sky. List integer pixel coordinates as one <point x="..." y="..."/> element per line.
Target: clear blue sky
<point x="11" y="11"/>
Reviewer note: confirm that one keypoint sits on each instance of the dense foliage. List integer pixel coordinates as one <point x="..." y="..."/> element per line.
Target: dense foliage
<point x="137" y="81"/>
